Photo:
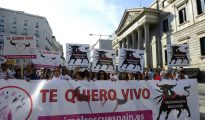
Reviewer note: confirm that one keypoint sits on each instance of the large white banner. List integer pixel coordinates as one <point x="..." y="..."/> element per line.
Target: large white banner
<point x="178" y="55"/>
<point x="131" y="60"/>
<point x="47" y="58"/>
<point x="19" y="47"/>
<point x="104" y="60"/>
<point x="77" y="54"/>
<point x="99" y="100"/>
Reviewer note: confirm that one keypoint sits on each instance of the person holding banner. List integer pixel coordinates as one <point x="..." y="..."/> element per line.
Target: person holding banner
<point x="138" y="76"/>
<point x="101" y="75"/>
<point x="56" y="74"/>
<point x="123" y="76"/>
<point x="130" y="76"/>
<point x="4" y="73"/>
<point x="182" y="75"/>
<point x="30" y="73"/>
<point x="65" y="74"/>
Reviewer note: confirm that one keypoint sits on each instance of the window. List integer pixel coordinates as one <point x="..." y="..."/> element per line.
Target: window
<point x="165" y="52"/>
<point x="202" y="42"/>
<point x="2" y="18"/>
<point x="165" y="25"/>
<point x="14" y="20"/>
<point x="37" y="24"/>
<point x="200" y="6"/>
<point x="1" y="39"/>
<point x="14" y="30"/>
<point x="116" y="52"/>
<point x="25" y="22"/>
<point x="36" y="33"/>
<point x="182" y="15"/>
<point x="25" y="31"/>
<point x="37" y="44"/>
<point x="164" y="3"/>
<point x="1" y="28"/>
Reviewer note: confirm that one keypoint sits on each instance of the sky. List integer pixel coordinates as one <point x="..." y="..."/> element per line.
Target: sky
<point x="72" y="21"/>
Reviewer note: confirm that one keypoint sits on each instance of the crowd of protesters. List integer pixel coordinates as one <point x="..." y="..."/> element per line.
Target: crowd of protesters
<point x="63" y="73"/>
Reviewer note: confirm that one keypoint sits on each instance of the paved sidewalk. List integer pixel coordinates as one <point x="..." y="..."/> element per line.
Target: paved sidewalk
<point x="201" y="90"/>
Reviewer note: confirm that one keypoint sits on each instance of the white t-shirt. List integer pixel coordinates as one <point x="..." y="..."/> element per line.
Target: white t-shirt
<point x="65" y="77"/>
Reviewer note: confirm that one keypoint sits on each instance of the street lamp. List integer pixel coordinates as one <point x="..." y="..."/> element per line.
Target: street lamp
<point x="100" y="35"/>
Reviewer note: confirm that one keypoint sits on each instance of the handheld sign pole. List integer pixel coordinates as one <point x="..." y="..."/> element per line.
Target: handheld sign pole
<point x="22" y="68"/>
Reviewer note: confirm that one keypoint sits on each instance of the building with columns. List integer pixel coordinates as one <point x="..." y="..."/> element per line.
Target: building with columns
<point x="164" y="22"/>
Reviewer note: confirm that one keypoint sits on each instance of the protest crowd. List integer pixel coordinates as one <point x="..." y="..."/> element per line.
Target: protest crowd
<point x="9" y="71"/>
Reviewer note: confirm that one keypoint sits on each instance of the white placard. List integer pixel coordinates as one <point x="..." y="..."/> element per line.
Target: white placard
<point x="19" y="47"/>
<point x="131" y="60"/>
<point x="178" y="55"/>
<point x="47" y="59"/>
<point x="77" y="54"/>
<point x="104" y="60"/>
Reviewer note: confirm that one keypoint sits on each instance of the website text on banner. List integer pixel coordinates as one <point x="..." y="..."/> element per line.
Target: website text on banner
<point x="81" y="100"/>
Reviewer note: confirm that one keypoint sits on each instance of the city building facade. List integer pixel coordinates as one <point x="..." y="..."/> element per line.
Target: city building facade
<point x="164" y="22"/>
<point x="19" y="23"/>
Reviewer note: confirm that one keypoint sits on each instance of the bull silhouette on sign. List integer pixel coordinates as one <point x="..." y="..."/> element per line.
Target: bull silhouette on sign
<point x="76" y="54"/>
<point x="171" y="100"/>
<point x="88" y="97"/>
<point x="20" y="47"/>
<point x="177" y="54"/>
<point x="129" y="59"/>
<point x="102" y="59"/>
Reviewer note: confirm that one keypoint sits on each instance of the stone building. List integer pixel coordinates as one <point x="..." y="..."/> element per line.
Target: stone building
<point x="164" y="22"/>
<point x="20" y="23"/>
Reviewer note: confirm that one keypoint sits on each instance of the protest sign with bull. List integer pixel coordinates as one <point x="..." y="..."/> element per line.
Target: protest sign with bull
<point x="77" y="54"/>
<point x="103" y="60"/>
<point x="47" y="59"/>
<point x="178" y="55"/>
<point x="19" y="47"/>
<point x="131" y="60"/>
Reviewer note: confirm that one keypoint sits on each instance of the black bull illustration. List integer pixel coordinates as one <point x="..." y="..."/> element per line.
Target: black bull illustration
<point x="171" y="100"/>
<point x="177" y="54"/>
<point x="129" y="59"/>
<point x="86" y="98"/>
<point x="102" y="59"/>
<point x="76" y="53"/>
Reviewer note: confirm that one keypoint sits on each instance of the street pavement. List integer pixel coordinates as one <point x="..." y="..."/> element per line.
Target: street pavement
<point x="201" y="90"/>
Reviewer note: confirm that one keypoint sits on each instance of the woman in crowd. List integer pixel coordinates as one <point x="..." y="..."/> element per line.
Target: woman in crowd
<point x="138" y="76"/>
<point x="130" y="76"/>
<point x="85" y="75"/>
<point x="182" y="75"/>
<point x="101" y="75"/>
<point x="123" y="76"/>
<point x="65" y="74"/>
<point x="4" y="73"/>
<point x="157" y="75"/>
<point x="30" y="73"/>
<point x="17" y="72"/>
<point x="56" y="73"/>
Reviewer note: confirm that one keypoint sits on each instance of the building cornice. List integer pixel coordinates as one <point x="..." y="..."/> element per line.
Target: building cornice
<point x="143" y="12"/>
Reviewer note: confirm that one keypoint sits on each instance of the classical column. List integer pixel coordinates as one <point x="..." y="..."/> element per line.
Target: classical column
<point x="140" y="41"/>
<point x="128" y="42"/>
<point x="147" y="45"/>
<point x="134" y="40"/>
<point x="124" y="43"/>
<point x="120" y="44"/>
